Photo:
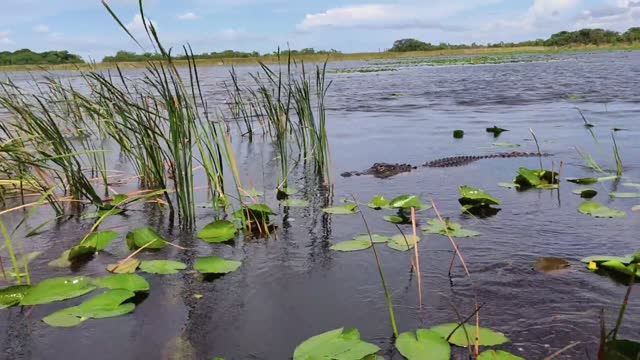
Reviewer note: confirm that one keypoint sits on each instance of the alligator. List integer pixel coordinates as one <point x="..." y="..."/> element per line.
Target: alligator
<point x="385" y="170"/>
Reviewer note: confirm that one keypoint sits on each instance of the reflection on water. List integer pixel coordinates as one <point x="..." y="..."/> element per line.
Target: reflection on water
<point x="291" y="286"/>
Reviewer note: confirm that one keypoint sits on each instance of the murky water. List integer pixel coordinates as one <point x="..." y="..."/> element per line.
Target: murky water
<point x="292" y="286"/>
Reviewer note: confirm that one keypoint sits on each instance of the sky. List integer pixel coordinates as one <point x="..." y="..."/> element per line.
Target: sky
<point x="84" y="26"/>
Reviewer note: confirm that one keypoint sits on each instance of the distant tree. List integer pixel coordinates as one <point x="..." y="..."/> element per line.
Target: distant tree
<point x="28" y="57"/>
<point x="632" y="35"/>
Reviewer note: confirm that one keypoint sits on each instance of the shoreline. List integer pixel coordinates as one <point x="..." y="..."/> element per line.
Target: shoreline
<point x="272" y="59"/>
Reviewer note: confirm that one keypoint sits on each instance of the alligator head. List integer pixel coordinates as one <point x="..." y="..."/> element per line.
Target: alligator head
<point x="382" y="170"/>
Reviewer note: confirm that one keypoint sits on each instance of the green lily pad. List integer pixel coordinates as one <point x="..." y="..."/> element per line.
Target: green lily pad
<point x="587" y="193"/>
<point x="458" y="134"/>
<point x="217" y="232"/>
<point x="351" y="245"/>
<point x="602" y="258"/>
<point x="109" y="304"/>
<point x="127" y="266"/>
<point x="435" y="226"/>
<point x="62" y="261"/>
<point x="548" y="264"/>
<point x="131" y="282"/>
<point x="424" y="344"/>
<point x="215" y="265"/>
<point x="496" y="131"/>
<point x="377" y="239"/>
<point x="504" y="144"/>
<point x="378" y="202"/>
<point x="398" y="242"/>
<point x="588" y="181"/>
<point x="508" y="185"/>
<point x="163" y="267"/>
<point x="597" y="210"/>
<point x="406" y="202"/>
<point x="541" y="179"/>
<point x="96" y="241"/>
<point x="295" y="203"/>
<point x="475" y="197"/>
<point x="263" y="209"/>
<point x="350" y="208"/>
<point x="57" y="289"/>
<point x="118" y="199"/>
<point x="397" y="219"/>
<point x="145" y="237"/>
<point x="616" y="194"/>
<point x="338" y="344"/>
<point x="12" y="295"/>
<point x="619" y="267"/>
<point x="255" y="212"/>
<point x="621" y="350"/>
<point x="487" y="337"/>
<point x="498" y="355"/>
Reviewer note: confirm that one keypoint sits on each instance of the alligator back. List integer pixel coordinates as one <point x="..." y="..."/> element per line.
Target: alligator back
<point x="464" y="160"/>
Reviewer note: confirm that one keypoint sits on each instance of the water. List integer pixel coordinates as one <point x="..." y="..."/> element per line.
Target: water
<point x="292" y="286"/>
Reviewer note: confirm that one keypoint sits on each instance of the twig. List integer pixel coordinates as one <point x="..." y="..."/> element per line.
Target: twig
<point x="552" y="356"/>
<point x="415" y="248"/>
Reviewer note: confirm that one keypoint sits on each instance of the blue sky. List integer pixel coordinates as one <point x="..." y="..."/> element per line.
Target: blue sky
<point x="84" y="26"/>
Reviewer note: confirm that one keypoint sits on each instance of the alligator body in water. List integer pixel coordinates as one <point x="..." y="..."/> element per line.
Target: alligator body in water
<point x="385" y="170"/>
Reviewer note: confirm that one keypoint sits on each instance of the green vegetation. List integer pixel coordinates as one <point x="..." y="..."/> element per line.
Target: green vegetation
<point x="129" y="56"/>
<point x="28" y="57"/>
<point x="563" y="38"/>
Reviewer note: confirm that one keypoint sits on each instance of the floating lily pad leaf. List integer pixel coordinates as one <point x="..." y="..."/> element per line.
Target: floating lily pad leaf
<point x="338" y="344"/>
<point x="624" y="194"/>
<point x="424" y="344"/>
<point x="79" y="251"/>
<point x="377" y="239"/>
<point x="255" y="212"/>
<point x="215" y="265"/>
<point x="435" y="226"/>
<point x="100" y="239"/>
<point x="496" y="131"/>
<point x="261" y="208"/>
<point x="508" y="185"/>
<point x="505" y="144"/>
<point x="127" y="266"/>
<point x="597" y="210"/>
<point x="145" y="237"/>
<point x="406" y="202"/>
<point x="397" y="219"/>
<point x="398" y="242"/>
<point x="487" y="337"/>
<point x="163" y="267"/>
<point x="62" y="261"/>
<point x="473" y="196"/>
<point x="378" y="202"/>
<point x="618" y="266"/>
<point x="57" y="289"/>
<point x="118" y="199"/>
<point x="217" y="232"/>
<point x="351" y="245"/>
<point x="602" y="258"/>
<point x="458" y="134"/>
<point x="295" y="203"/>
<point x="621" y="350"/>
<point x="548" y="264"/>
<point x="131" y="282"/>
<point x="587" y="181"/>
<point x="109" y="304"/>
<point x="498" y="355"/>
<point x="12" y="295"/>
<point x="350" y="208"/>
<point x="587" y="193"/>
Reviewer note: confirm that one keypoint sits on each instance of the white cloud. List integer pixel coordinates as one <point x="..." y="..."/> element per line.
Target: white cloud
<point x="41" y="28"/>
<point x="4" y="38"/>
<point x="188" y="16"/>
<point x="391" y="16"/>
<point x="136" y="26"/>
<point x="615" y="16"/>
<point x="541" y="15"/>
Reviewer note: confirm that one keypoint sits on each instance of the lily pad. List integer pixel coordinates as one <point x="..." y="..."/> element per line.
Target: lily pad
<point x="378" y="202"/>
<point x="127" y="266"/>
<point x="351" y="245"/>
<point x="163" y="267"/>
<point x="395" y="219"/>
<point x="406" y="202"/>
<point x="496" y="131"/>
<point x="498" y="355"/>
<point x="295" y="203"/>
<point x="598" y="210"/>
<point x="548" y="264"/>
<point x="588" y="181"/>
<point x="338" y="344"/>
<point x="587" y="193"/>
<point x="435" y="226"/>
<point x="217" y="232"/>
<point x="145" y="237"/>
<point x="350" y="208"/>
<point x="541" y="179"/>
<point x="398" y="242"/>
<point x="475" y="197"/>
<point x="12" y="295"/>
<point x="619" y="267"/>
<point x="458" y="134"/>
<point x="96" y="241"/>
<point x="621" y="350"/>
<point x="57" y="289"/>
<point x="602" y="258"/>
<point x="215" y="265"/>
<point x="377" y="238"/>
<point x="616" y="194"/>
<point x="131" y="282"/>
<point x="487" y="337"/>
<point x="109" y="304"/>
<point x="424" y="344"/>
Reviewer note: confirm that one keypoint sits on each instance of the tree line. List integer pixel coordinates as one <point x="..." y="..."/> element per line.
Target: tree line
<point x="124" y="56"/>
<point x="563" y="38"/>
<point x="28" y="57"/>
